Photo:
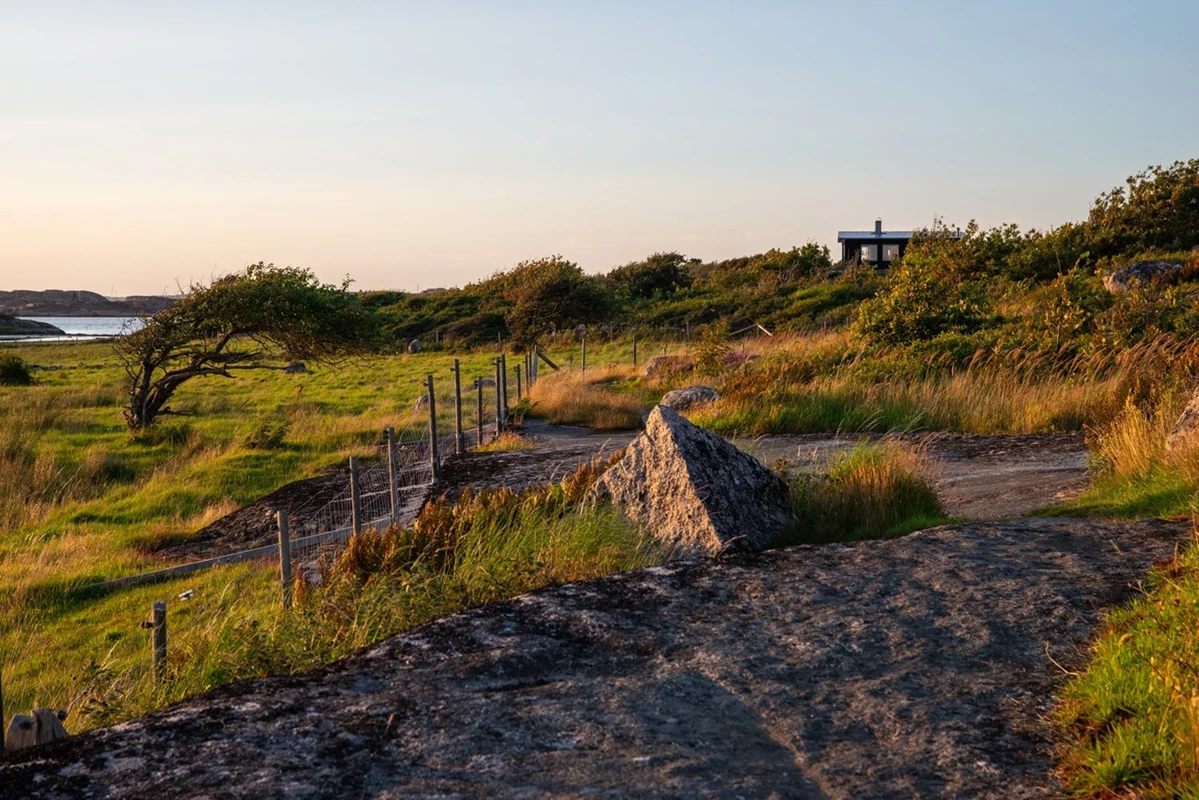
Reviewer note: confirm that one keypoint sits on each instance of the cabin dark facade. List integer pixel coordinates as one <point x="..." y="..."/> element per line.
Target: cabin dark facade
<point x="877" y="247"/>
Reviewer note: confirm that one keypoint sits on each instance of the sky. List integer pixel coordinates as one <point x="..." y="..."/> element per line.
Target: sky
<point x="410" y="145"/>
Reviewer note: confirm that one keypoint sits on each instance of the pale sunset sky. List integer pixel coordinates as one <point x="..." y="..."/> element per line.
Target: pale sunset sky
<point x="421" y="144"/>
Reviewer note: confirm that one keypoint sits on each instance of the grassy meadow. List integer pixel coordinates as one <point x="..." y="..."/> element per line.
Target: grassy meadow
<point x="84" y="501"/>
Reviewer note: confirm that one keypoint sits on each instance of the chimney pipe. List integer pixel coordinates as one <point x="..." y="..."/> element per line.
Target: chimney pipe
<point x="878" y="227"/>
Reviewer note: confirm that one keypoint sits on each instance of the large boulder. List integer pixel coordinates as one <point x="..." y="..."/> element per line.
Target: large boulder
<point x="682" y="399"/>
<point x="1142" y="273"/>
<point x="694" y="490"/>
<point x="414" y="346"/>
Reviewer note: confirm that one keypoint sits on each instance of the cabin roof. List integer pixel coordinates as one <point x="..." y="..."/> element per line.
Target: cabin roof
<point x="843" y="235"/>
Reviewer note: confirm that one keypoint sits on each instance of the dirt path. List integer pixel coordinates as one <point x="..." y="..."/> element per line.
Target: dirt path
<point x="978" y="477"/>
<point x="920" y="666"/>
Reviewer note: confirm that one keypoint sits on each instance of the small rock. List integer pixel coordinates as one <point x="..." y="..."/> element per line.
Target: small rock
<point x="414" y="346"/>
<point x="486" y="383"/>
<point x="1142" y="273"/>
<point x="666" y="366"/>
<point x="1187" y="425"/>
<point x="693" y="489"/>
<point x="296" y="368"/>
<point x="421" y="402"/>
<point x="681" y="399"/>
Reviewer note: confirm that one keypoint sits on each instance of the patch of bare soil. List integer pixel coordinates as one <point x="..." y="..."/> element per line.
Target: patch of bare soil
<point x="915" y="667"/>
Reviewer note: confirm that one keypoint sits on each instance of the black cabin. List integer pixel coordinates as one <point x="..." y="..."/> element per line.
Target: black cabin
<point x="877" y="247"/>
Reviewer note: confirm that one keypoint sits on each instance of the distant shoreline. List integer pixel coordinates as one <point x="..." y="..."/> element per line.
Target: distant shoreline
<point x="62" y="303"/>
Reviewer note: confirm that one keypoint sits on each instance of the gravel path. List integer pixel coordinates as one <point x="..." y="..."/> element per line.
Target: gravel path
<point x="920" y="666"/>
<point x="977" y="477"/>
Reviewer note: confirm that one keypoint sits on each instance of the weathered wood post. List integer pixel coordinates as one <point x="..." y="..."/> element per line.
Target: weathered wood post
<point x="393" y="475"/>
<point x="519" y="393"/>
<point x="479" y="414"/>
<point x="459" y="440"/>
<point x="504" y="381"/>
<point x="3" y="719"/>
<point x="499" y="400"/>
<point x="355" y="497"/>
<point x="158" y="639"/>
<point x="434" y="456"/>
<point x="284" y="557"/>
<point x="584" y="368"/>
<point x="634" y="349"/>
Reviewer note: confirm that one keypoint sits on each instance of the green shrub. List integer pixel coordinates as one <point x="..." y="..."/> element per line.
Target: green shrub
<point x="266" y="435"/>
<point x="14" y="371"/>
<point x="921" y="301"/>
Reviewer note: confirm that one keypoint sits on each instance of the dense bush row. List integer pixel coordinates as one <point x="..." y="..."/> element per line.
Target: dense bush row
<point x="1005" y="289"/>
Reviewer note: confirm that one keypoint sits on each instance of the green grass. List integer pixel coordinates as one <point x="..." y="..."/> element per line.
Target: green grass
<point x="875" y="491"/>
<point x="82" y="501"/>
<point x="1130" y="720"/>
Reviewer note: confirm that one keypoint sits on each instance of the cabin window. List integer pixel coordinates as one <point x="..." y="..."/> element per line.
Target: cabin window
<point x="890" y="252"/>
<point x="870" y="252"/>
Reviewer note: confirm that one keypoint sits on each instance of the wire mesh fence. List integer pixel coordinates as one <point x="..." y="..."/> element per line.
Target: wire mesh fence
<point x="388" y="483"/>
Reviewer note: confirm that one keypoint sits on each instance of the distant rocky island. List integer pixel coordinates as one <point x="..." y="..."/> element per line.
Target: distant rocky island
<point x="62" y="303"/>
<point x="11" y="326"/>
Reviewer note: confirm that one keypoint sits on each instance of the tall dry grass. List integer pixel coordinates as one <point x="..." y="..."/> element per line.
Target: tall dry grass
<point x="874" y="491"/>
<point x="603" y="399"/>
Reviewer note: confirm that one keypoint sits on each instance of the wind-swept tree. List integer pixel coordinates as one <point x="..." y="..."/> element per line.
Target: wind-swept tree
<point x="249" y="320"/>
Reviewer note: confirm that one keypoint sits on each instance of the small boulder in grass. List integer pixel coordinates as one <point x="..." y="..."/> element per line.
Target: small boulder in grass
<point x="1142" y="273"/>
<point x="414" y="346"/>
<point x="682" y="399"/>
<point x="1186" y="428"/>
<point x="694" y="490"/>
<point x="668" y="366"/>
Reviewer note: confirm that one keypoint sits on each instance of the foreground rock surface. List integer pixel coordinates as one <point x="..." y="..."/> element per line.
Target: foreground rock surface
<point x="695" y="490"/>
<point x="919" y="666"/>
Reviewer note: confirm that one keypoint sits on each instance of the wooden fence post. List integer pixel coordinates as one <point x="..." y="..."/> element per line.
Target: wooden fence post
<point x="393" y="477"/>
<point x="434" y="456"/>
<point x="504" y="380"/>
<point x="584" y="354"/>
<point x="479" y="414"/>
<point x="499" y="401"/>
<point x="634" y="349"/>
<point x="3" y="719"/>
<point x="284" y="557"/>
<point x="158" y="636"/>
<point x="519" y="393"/>
<point x="459" y="440"/>
<point x="355" y="497"/>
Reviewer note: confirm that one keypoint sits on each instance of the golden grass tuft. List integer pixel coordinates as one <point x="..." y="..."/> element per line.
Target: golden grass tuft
<point x="593" y="399"/>
<point x="508" y="441"/>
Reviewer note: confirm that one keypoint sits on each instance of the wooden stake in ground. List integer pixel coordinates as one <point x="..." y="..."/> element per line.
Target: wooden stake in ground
<point x="393" y="475"/>
<point x="459" y="439"/>
<point x="355" y="497"/>
<point x="499" y="400"/>
<point x="584" y="367"/>
<point x="519" y="392"/>
<point x="284" y="557"/>
<point x="434" y="456"/>
<point x="479" y="414"/>
<point x="158" y="638"/>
